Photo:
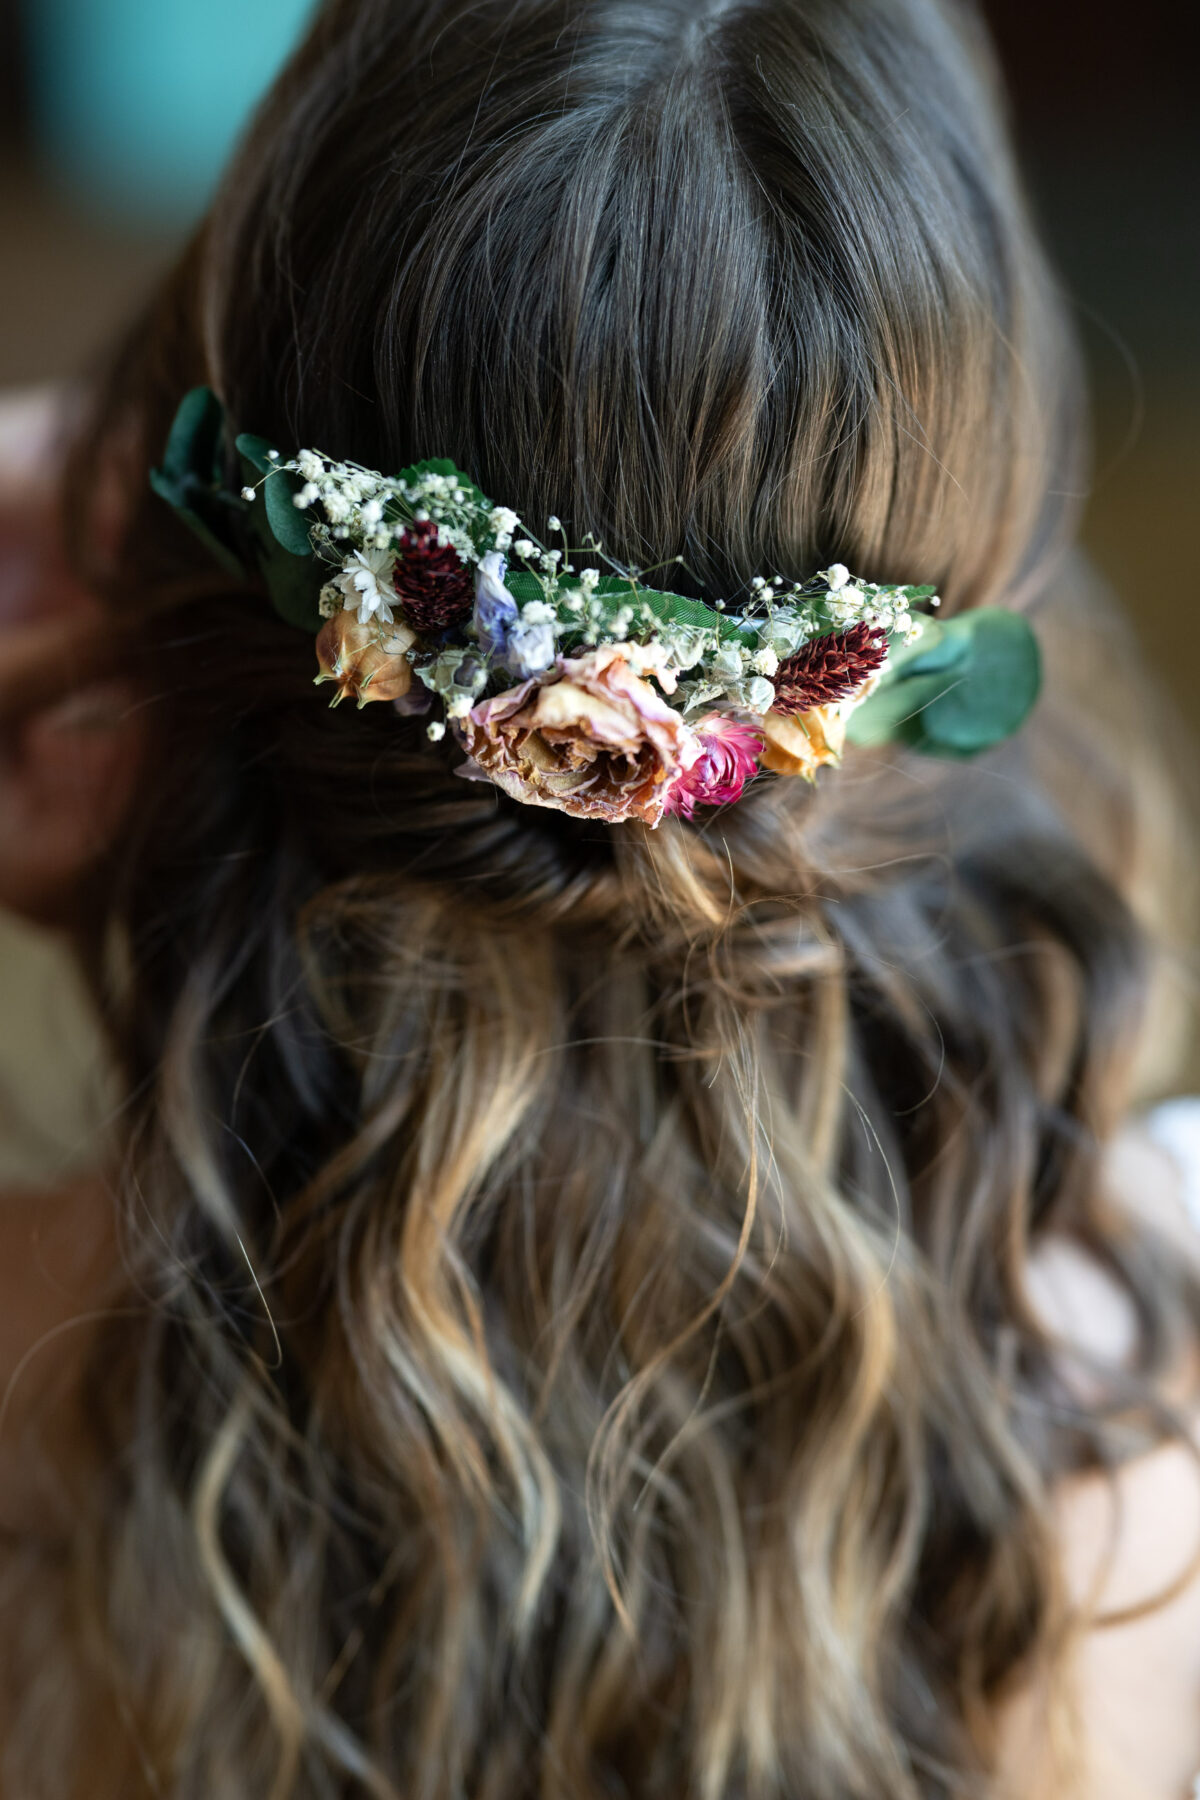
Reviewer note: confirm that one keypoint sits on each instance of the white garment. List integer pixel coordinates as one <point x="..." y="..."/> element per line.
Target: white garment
<point x="1174" y="1128"/>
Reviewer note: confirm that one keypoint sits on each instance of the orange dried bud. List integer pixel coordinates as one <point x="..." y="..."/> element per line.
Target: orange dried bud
<point x="805" y="744"/>
<point x="367" y="662"/>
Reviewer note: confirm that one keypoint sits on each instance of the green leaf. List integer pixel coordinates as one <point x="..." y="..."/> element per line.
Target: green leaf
<point x="191" y="478"/>
<point x="256" y="451"/>
<point x="997" y="688"/>
<point x="273" y="517"/>
<point x="965" y="686"/>
<point x="893" y="713"/>
<point x="294" y="584"/>
<point x="294" y="577"/>
<point x="196" y="440"/>
<point x="288" y="523"/>
<point x="524" y="588"/>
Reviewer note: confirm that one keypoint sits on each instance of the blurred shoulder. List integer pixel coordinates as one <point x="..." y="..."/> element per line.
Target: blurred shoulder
<point x="1130" y="1542"/>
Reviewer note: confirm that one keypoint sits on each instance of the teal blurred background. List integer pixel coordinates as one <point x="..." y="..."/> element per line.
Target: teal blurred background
<point x="136" y="104"/>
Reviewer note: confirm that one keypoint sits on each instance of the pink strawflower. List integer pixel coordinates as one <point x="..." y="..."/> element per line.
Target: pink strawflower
<point x="729" y="754"/>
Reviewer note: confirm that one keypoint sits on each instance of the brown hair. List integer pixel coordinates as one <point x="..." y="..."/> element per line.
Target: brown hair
<point x="588" y="1350"/>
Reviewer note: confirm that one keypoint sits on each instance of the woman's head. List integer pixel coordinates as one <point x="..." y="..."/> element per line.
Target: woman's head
<point x="590" y="1351"/>
<point x="746" y="282"/>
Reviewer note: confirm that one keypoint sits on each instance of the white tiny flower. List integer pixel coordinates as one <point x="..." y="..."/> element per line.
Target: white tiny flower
<point x="248" y="493"/>
<point x="435" y="732"/>
<point x="590" y="579"/>
<point x="554" y="522"/>
<point x="766" y="662"/>
<point x="366" y="582"/>
<point x="523" y="547"/>
<point x="331" y="601"/>
<point x="537" y="612"/>
<point x="837" y="577"/>
<point x="758" y="584"/>
<point x="273" y="455"/>
<point x="503" y="521"/>
<point x="458" y="706"/>
<point x="310" y="466"/>
<point x="372" y="512"/>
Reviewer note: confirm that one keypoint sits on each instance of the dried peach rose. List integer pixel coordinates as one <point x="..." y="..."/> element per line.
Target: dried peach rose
<point x="592" y="739"/>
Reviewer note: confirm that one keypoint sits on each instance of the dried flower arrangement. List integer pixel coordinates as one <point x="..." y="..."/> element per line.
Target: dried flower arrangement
<point x="579" y="687"/>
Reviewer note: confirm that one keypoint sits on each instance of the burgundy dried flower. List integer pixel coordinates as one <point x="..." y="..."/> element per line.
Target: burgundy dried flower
<point x="829" y="668"/>
<point x="433" y="584"/>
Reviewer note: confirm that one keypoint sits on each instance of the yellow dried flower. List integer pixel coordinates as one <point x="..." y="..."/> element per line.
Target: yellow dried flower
<point x="802" y="745"/>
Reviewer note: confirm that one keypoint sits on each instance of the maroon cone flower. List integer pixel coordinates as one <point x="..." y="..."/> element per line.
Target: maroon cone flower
<point x="434" y="586"/>
<point x="829" y="669"/>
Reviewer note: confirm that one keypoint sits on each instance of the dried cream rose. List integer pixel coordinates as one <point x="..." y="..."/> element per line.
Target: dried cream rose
<point x="366" y="661"/>
<point x="804" y="744"/>
<point x="592" y="739"/>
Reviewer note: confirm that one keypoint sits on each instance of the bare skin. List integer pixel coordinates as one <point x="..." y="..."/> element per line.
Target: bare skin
<point x="68" y="770"/>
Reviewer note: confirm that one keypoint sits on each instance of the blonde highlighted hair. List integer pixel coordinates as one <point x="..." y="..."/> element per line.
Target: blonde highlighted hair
<point x="584" y="1347"/>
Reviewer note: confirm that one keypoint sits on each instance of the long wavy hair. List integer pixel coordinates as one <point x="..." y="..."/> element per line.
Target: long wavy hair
<point x="579" y="1341"/>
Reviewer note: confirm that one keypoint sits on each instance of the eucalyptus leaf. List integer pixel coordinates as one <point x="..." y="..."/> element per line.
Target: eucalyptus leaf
<point x="196" y="440"/>
<point x="276" y="494"/>
<point x="256" y="451"/>
<point x="191" y="478"/>
<point x="1000" y="682"/>
<point x="966" y="685"/>
<point x="289" y="524"/>
<point x="893" y="713"/>
<point x="294" y="584"/>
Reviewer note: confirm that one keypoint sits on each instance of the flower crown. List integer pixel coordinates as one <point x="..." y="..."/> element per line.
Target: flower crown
<point x="581" y="688"/>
